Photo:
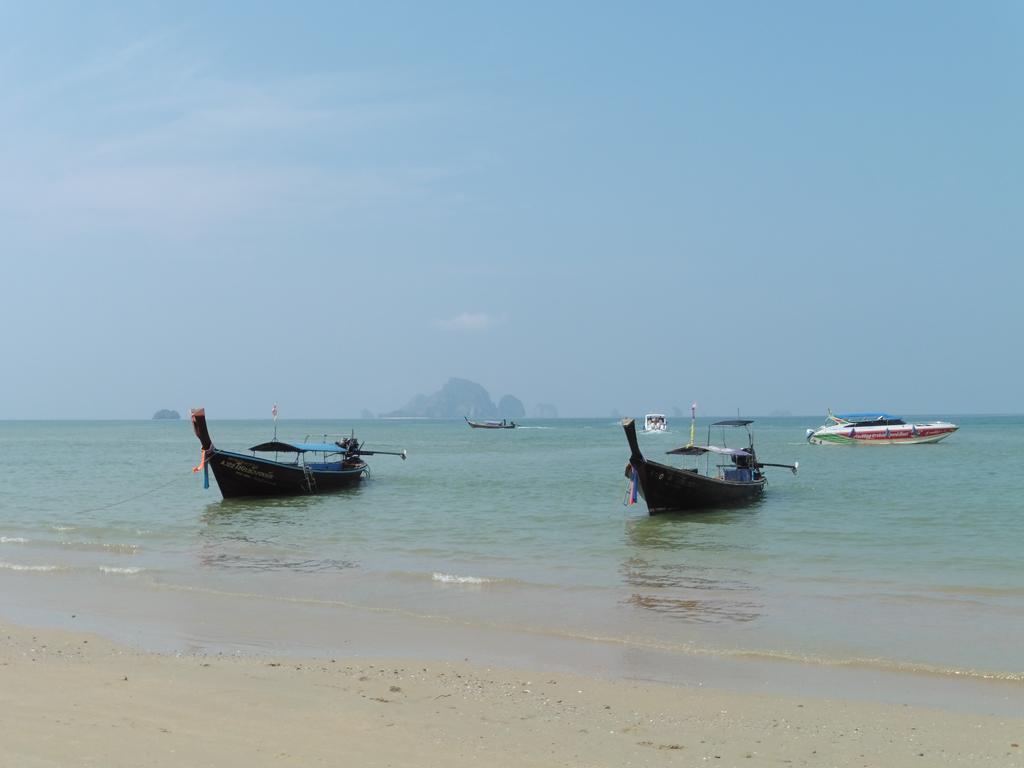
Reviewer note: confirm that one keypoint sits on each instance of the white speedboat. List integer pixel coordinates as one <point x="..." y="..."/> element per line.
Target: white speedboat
<point x="877" y="429"/>
<point x="655" y="422"/>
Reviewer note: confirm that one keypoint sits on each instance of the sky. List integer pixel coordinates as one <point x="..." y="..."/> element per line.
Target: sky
<point x="758" y="207"/>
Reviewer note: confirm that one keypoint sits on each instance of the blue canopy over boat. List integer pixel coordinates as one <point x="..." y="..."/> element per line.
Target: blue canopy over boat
<point x="279" y="446"/>
<point x="697" y="450"/>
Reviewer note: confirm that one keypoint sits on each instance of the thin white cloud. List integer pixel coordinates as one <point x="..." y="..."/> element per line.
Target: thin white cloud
<point x="468" y="321"/>
<point x="214" y="153"/>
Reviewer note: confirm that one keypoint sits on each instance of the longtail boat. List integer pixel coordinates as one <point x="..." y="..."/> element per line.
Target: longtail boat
<point x="735" y="479"/>
<point x="315" y="467"/>
<point x="877" y="429"/>
<point x="490" y="424"/>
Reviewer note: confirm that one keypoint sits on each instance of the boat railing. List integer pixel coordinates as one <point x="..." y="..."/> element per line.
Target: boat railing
<point x="324" y="437"/>
<point x="307" y="471"/>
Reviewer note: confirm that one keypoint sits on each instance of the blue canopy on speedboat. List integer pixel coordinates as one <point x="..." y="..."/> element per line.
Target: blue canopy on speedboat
<point x="279" y="446"/>
<point x="869" y="416"/>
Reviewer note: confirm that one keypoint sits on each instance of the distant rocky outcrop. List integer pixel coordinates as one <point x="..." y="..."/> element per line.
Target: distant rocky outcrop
<point x="366" y="414"/>
<point x="458" y="398"/>
<point x="510" y="407"/>
<point x="545" y="411"/>
<point x="165" y="414"/>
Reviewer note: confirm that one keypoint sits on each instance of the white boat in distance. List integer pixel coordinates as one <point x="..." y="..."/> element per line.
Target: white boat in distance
<point x="877" y="429"/>
<point x="655" y="422"/>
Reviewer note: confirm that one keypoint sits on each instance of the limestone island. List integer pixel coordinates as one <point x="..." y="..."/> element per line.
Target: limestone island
<point x="166" y="415"/>
<point x="458" y="398"/>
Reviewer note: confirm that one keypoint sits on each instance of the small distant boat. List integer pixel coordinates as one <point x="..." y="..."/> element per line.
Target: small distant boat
<point x="670" y="489"/>
<point x="877" y="429"/>
<point x="490" y="424"/>
<point x="340" y="465"/>
<point x="655" y="422"/>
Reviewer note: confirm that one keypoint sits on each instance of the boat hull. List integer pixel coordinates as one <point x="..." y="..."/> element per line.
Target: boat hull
<point x="668" y="490"/>
<point x="239" y="476"/>
<point x="910" y="434"/>
<point x="490" y="425"/>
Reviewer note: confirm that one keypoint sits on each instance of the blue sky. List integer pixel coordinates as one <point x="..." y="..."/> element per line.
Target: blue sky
<point x="334" y="206"/>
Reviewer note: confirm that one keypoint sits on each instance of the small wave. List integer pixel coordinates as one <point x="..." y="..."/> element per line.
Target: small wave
<point x="980" y="590"/>
<point x="450" y="578"/>
<point x="101" y="546"/>
<point x="38" y="568"/>
<point x="277" y="563"/>
<point x="62" y="528"/>
<point x="123" y="571"/>
<point x="883" y="664"/>
<point x="13" y="540"/>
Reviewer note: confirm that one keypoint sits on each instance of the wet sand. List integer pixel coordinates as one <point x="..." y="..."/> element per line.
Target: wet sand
<point x="70" y="699"/>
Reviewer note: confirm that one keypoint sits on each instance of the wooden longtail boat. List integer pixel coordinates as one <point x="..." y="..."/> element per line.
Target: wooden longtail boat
<point x="340" y="465"/>
<point x="490" y="424"/>
<point x="671" y="489"/>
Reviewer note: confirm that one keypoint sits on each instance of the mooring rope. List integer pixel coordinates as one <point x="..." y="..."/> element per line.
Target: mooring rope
<point x="136" y="496"/>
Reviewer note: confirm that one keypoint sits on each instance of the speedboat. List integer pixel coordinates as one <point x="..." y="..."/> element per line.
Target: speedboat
<point x="655" y="422"/>
<point x="877" y="429"/>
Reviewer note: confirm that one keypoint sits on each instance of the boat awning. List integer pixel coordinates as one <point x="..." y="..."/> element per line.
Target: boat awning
<point x="697" y="450"/>
<point x="872" y="416"/>
<point x="279" y="446"/>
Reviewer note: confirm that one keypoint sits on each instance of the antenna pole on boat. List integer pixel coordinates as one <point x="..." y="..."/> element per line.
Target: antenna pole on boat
<point x="693" y="420"/>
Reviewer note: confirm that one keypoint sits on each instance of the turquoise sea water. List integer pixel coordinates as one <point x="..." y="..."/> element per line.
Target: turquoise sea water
<point x="516" y="544"/>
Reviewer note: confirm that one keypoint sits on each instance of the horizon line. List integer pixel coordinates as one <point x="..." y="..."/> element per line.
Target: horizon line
<point x="457" y="418"/>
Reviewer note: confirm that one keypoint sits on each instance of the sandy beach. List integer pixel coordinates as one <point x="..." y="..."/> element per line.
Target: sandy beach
<point x="69" y="699"/>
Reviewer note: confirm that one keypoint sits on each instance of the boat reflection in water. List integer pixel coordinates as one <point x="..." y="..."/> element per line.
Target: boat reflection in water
<point x="248" y="513"/>
<point x="669" y="580"/>
<point x="267" y="534"/>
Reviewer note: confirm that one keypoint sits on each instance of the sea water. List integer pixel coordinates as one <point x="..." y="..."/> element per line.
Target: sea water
<point x="515" y="546"/>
